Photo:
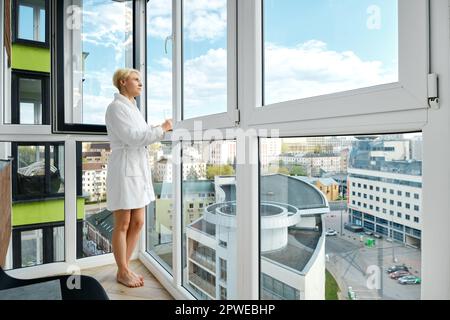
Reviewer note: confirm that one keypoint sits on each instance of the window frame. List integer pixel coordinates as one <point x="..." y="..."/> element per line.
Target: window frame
<point x="47" y="243"/>
<point x="15" y="26"/>
<point x="410" y="93"/>
<point x="44" y="77"/>
<point x="59" y="126"/>
<point x="227" y="119"/>
<point x="46" y="194"/>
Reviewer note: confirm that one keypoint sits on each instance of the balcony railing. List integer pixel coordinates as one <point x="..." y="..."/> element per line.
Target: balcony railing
<point x="203" y="284"/>
<point x="204" y="261"/>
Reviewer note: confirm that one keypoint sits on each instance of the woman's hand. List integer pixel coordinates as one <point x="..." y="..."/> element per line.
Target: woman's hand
<point x="167" y="125"/>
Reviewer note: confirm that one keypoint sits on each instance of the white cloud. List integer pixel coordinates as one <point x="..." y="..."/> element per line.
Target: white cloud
<point x="305" y="70"/>
<point x="203" y="19"/>
<point x="311" y="69"/>
<point x="109" y="25"/>
<point x="94" y="108"/>
<point x="205" y="84"/>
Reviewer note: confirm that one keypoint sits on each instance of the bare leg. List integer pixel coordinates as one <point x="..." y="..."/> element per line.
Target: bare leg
<point x="119" y="242"/>
<point x="134" y="232"/>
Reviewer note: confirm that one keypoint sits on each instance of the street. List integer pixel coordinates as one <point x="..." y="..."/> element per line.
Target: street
<point x="348" y="259"/>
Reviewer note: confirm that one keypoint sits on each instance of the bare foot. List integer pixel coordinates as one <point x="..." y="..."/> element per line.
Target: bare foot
<point x="138" y="276"/>
<point x="128" y="279"/>
<point x="141" y="278"/>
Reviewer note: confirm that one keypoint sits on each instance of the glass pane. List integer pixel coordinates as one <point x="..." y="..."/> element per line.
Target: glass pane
<point x="26" y="27"/>
<point x="42" y="30"/>
<point x="30" y="99"/>
<point x="32" y="20"/>
<point x="95" y="223"/>
<point x="209" y="192"/>
<point x="31" y="170"/>
<point x="57" y="168"/>
<point x="313" y="48"/>
<point x="159" y="61"/>
<point x="102" y="41"/>
<point x="323" y="199"/>
<point x="161" y="211"/>
<point x="27" y="113"/>
<point x="204" y="58"/>
<point x="32" y="248"/>
<point x="58" y="244"/>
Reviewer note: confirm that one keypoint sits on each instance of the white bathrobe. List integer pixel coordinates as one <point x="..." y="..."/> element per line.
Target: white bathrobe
<point x="128" y="181"/>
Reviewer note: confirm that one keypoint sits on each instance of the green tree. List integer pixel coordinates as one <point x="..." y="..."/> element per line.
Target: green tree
<point x="297" y="171"/>
<point x="222" y="170"/>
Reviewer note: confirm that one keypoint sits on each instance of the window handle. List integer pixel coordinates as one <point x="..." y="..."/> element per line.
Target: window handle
<point x="165" y="42"/>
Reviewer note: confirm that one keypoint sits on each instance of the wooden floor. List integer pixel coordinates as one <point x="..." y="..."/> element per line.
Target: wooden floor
<point x="152" y="289"/>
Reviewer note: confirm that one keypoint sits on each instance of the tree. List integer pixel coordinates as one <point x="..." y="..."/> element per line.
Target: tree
<point x="221" y="170"/>
<point x="297" y="171"/>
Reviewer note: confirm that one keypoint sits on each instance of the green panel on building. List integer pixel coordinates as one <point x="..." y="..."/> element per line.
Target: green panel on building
<point x="30" y="58"/>
<point x="37" y="212"/>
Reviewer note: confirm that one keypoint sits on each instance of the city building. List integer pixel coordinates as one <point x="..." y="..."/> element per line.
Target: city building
<point x="292" y="247"/>
<point x="385" y="189"/>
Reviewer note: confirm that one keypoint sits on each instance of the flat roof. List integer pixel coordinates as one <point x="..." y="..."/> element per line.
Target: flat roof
<point x="291" y="190"/>
<point x="299" y="250"/>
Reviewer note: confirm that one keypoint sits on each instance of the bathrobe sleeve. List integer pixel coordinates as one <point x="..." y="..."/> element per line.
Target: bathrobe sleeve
<point x="120" y="123"/>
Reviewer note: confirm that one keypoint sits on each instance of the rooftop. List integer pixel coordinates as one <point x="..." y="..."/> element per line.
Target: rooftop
<point x="298" y="252"/>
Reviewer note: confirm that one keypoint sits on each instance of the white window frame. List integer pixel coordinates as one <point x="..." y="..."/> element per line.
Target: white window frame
<point x="409" y="93"/>
<point x="215" y="121"/>
<point x="434" y="124"/>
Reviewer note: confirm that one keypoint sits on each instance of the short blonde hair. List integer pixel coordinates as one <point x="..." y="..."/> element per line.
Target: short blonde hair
<point x="122" y="74"/>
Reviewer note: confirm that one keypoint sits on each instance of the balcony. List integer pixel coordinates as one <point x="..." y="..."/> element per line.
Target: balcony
<point x="204" y="261"/>
<point x="204" y="285"/>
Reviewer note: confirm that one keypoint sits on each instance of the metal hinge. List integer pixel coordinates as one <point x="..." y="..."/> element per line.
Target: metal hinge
<point x="433" y="92"/>
<point x="237" y="116"/>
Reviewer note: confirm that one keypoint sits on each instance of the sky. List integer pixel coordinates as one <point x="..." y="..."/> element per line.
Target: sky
<point x="310" y="48"/>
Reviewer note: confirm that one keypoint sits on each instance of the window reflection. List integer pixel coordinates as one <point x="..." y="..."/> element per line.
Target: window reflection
<point x="209" y="219"/>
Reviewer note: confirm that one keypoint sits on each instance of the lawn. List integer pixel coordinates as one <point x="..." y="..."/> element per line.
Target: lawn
<point x="331" y="287"/>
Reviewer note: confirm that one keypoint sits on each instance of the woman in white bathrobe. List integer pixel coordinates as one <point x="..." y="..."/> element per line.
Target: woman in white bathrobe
<point x="128" y="183"/>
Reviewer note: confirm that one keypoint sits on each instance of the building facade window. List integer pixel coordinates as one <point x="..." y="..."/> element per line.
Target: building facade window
<point x="31" y="22"/>
<point x="30" y="98"/>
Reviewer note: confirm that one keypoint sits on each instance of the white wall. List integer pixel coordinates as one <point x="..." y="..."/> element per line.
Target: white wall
<point x="315" y="276"/>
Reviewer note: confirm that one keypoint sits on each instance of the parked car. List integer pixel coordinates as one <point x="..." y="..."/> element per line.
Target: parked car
<point x="397" y="268"/>
<point x="411" y="279"/>
<point x="378" y="236"/>
<point x="369" y="233"/>
<point x="330" y="232"/>
<point x="398" y="274"/>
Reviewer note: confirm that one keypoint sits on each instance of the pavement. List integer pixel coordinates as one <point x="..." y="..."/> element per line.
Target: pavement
<point x="364" y="269"/>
